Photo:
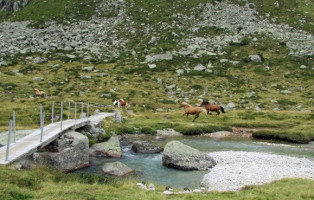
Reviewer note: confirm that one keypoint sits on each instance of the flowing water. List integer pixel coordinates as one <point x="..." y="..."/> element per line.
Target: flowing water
<point x="149" y="167"/>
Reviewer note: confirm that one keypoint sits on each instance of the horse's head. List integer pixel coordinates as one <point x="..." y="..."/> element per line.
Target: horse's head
<point x="184" y="105"/>
<point x="115" y="102"/>
<point x="36" y="89"/>
<point x="204" y="102"/>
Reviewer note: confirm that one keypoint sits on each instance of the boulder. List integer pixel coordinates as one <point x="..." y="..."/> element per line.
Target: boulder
<point x="109" y="148"/>
<point x="180" y="156"/>
<point x="146" y="147"/>
<point x="116" y="169"/>
<point x="67" y="156"/>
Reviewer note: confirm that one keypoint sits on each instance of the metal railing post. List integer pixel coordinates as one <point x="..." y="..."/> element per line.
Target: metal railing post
<point x="74" y="114"/>
<point x="41" y="123"/>
<point x="14" y="129"/>
<point x="69" y="110"/>
<point x="82" y="109"/>
<point x="61" y="115"/>
<point x="87" y="110"/>
<point x="8" y="144"/>
<point x="52" y="111"/>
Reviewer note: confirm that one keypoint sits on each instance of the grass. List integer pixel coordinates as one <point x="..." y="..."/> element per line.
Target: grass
<point x="45" y="183"/>
<point x="288" y="126"/>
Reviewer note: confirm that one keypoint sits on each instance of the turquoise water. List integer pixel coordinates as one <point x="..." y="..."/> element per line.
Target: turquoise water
<point x="149" y="167"/>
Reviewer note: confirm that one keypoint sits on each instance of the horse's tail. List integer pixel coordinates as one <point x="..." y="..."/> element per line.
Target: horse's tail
<point x="222" y="109"/>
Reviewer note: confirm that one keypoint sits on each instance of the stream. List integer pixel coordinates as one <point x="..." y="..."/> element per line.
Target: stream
<point x="149" y="167"/>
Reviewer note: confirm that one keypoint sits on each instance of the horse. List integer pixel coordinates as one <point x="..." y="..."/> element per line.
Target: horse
<point x="212" y="108"/>
<point x="120" y="103"/>
<point x="39" y="93"/>
<point x="190" y="110"/>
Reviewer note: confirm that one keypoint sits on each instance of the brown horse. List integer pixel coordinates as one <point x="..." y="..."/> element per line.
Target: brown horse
<point x="39" y="93"/>
<point x="190" y="110"/>
<point x="212" y="108"/>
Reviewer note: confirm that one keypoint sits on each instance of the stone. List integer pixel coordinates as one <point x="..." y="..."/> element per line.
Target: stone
<point x="180" y="72"/>
<point x="38" y="79"/>
<point x="88" y="68"/>
<point x="39" y="60"/>
<point x="152" y="66"/>
<point x="199" y="67"/>
<point x="146" y="147"/>
<point x="180" y="156"/>
<point x="109" y="148"/>
<point x="168" y="132"/>
<point x="255" y="58"/>
<point x="303" y="67"/>
<point x="116" y="169"/>
<point x="285" y="92"/>
<point x="158" y="57"/>
<point x="230" y="106"/>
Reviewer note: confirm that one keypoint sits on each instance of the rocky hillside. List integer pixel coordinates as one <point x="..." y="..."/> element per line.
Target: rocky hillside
<point x="246" y="54"/>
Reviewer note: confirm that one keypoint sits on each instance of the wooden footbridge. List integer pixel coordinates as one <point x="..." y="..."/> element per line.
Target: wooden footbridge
<point x="43" y="136"/>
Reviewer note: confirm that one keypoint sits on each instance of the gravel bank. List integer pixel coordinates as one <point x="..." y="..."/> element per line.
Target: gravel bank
<point x="235" y="170"/>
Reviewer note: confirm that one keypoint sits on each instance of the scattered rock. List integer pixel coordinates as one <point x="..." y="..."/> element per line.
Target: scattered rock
<point x="116" y="169"/>
<point x="168" y="132"/>
<point x="180" y="156"/>
<point x="145" y="147"/>
<point x="110" y="148"/>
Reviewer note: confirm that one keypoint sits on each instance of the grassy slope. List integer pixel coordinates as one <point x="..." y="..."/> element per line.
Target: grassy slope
<point x="45" y="184"/>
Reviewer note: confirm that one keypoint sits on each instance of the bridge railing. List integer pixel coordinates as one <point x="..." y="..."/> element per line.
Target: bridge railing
<point x="54" y="118"/>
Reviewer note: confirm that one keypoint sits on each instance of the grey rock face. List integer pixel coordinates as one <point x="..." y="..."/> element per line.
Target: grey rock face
<point x="110" y="148"/>
<point x="180" y="156"/>
<point x="116" y="169"/>
<point x="146" y="147"/>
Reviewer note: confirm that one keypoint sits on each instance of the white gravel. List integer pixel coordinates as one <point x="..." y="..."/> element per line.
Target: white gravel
<point x="234" y="170"/>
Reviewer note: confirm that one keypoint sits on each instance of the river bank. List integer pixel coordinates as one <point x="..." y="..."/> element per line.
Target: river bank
<point x="235" y="170"/>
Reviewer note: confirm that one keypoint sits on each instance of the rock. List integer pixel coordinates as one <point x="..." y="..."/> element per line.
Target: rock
<point x="180" y="72"/>
<point x="303" y="67"/>
<point x="230" y="106"/>
<point x="168" y="132"/>
<point x="158" y="57"/>
<point x="199" y="67"/>
<point x="255" y="58"/>
<point x="152" y="66"/>
<point x="116" y="169"/>
<point x="38" y="79"/>
<point x="3" y="63"/>
<point x="88" y="68"/>
<point x="145" y="147"/>
<point x="66" y="156"/>
<point x="180" y="156"/>
<point x="285" y="92"/>
<point x="39" y="60"/>
<point x="71" y="56"/>
<point x="110" y="148"/>
<point x="86" y="77"/>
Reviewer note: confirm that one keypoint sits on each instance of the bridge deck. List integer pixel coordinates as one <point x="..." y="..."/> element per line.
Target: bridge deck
<point x="31" y="143"/>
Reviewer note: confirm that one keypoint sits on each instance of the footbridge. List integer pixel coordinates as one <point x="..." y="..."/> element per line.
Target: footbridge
<point x="43" y="136"/>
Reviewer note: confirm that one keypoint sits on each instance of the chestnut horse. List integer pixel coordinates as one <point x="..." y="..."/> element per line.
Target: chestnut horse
<point x="213" y="108"/>
<point x="190" y="110"/>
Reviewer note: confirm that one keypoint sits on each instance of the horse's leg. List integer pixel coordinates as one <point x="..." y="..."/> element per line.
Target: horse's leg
<point x="217" y="113"/>
<point x="196" y="116"/>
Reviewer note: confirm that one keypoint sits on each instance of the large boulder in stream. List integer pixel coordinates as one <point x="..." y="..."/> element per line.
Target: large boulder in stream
<point x="180" y="156"/>
<point x="116" y="169"/>
<point x="109" y="148"/>
<point x="146" y="147"/>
